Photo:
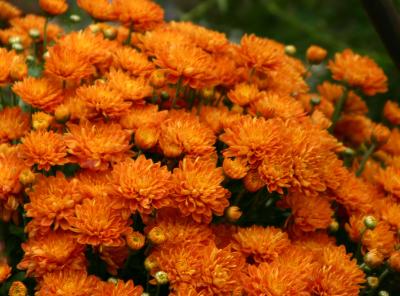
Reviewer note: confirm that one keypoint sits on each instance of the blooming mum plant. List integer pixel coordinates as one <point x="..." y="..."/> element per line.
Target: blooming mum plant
<point x="145" y="157"/>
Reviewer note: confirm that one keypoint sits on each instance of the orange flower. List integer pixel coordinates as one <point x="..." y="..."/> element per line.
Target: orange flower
<point x="42" y="93"/>
<point x="390" y="212"/>
<point x="381" y="238"/>
<point x="130" y="89"/>
<point x="141" y="184"/>
<point x="101" y="99"/>
<point x="67" y="64"/>
<point x="95" y="145"/>
<point x="141" y="15"/>
<point x="190" y="64"/>
<point x="6" y="59"/>
<point x="10" y="168"/>
<point x="32" y="21"/>
<point x="5" y="272"/>
<point x="338" y="274"/>
<point x="391" y="111"/>
<point x="393" y="144"/>
<point x="274" y="105"/>
<point x="389" y="180"/>
<point x="53" y="7"/>
<point x="235" y="168"/>
<point x="260" y="244"/>
<point x="68" y="282"/>
<point x="114" y="257"/>
<point x="316" y="54"/>
<point x="140" y="116"/>
<point x="244" y="94"/>
<point x="309" y="213"/>
<point x="120" y="289"/>
<point x="91" y="184"/>
<point x="52" y="200"/>
<point x="53" y="252"/>
<point x="99" y="9"/>
<point x="197" y="190"/>
<point x="355" y="226"/>
<point x="19" y="68"/>
<point x="135" y="240"/>
<point x="44" y="149"/>
<point x="8" y="11"/>
<point x="261" y="54"/>
<point x="13" y="124"/>
<point x="96" y="223"/>
<point x="394" y="261"/>
<point x="183" y="133"/>
<point x="358" y="71"/>
<point x="41" y="120"/>
<point x="132" y="61"/>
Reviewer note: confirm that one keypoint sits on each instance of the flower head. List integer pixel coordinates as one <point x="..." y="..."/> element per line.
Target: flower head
<point x="5" y="272"/>
<point x="120" y="288"/>
<point x="10" y="168"/>
<point x="100" y="9"/>
<point x="53" y="7"/>
<point x="8" y="11"/>
<point x="391" y="111"/>
<point x="244" y="93"/>
<point x="132" y="61"/>
<point x="13" y="124"/>
<point x="6" y="59"/>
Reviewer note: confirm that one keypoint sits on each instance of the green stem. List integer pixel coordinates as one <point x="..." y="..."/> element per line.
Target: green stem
<point x="46" y="22"/>
<point x="158" y="290"/>
<point x="338" y="110"/>
<point x="365" y="158"/>
<point x="129" y="39"/>
<point x="178" y="90"/>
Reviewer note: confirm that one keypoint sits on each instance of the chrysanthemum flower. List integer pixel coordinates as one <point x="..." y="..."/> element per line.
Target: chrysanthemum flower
<point x="141" y="184"/>
<point x="358" y="71"/>
<point x="13" y="124"/>
<point x="52" y="200"/>
<point x="120" y="288"/>
<point x="103" y="100"/>
<point x="391" y="111"/>
<point x="92" y="183"/>
<point x="183" y="133"/>
<point x="97" y="223"/>
<point x="53" y="252"/>
<point x="381" y="238"/>
<point x="141" y="15"/>
<point x="68" y="282"/>
<point x="197" y="190"/>
<point x="96" y="145"/>
<point x="100" y="9"/>
<point x="309" y="213"/>
<point x="31" y="21"/>
<point x="54" y="7"/>
<point x="146" y="115"/>
<point x="389" y="180"/>
<point x="114" y="257"/>
<point x="129" y="88"/>
<point x="132" y="61"/>
<point x="44" y="149"/>
<point x="261" y="54"/>
<point x="6" y="59"/>
<point x="42" y="93"/>
<point x="244" y="93"/>
<point x="8" y="11"/>
<point x="390" y="212"/>
<point x="5" y="271"/>
<point x="10" y="168"/>
<point x="41" y="120"/>
<point x="261" y="244"/>
<point x="392" y="146"/>
<point x="316" y="54"/>
<point x="213" y="117"/>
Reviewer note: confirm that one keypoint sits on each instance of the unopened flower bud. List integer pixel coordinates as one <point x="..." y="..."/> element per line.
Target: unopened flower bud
<point x="146" y="137"/>
<point x="161" y="277"/>
<point x="314" y="101"/>
<point x="383" y="293"/>
<point x="41" y="120"/>
<point x="18" y="289"/>
<point x="75" y="18"/>
<point x="290" y="49"/>
<point x="14" y="39"/>
<point x="252" y="182"/>
<point x="334" y="226"/>
<point x="235" y="168"/>
<point x="349" y="151"/>
<point x="370" y="222"/>
<point x="157" y="78"/>
<point x="164" y="95"/>
<point x="46" y="55"/>
<point x="135" y="240"/>
<point x="27" y="177"/>
<point x="95" y="28"/>
<point x="18" y="47"/>
<point x="110" y="33"/>
<point x="394" y="261"/>
<point x="373" y="281"/>
<point x="112" y="280"/>
<point x="233" y="213"/>
<point x="150" y="263"/>
<point x="156" y="236"/>
<point x="34" y="33"/>
<point x="145" y="294"/>
<point x="30" y="58"/>
<point x="316" y="54"/>
<point x="62" y="114"/>
<point x="373" y="258"/>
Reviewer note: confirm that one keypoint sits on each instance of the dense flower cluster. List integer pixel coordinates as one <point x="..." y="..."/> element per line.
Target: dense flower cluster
<point x="146" y="156"/>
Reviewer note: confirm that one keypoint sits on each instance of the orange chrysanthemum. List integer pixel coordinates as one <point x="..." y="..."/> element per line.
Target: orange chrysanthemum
<point x="8" y="11"/>
<point x="42" y="93"/>
<point x="132" y="61"/>
<point x="129" y="88"/>
<point x="141" y="15"/>
<point x="120" y="288"/>
<point x="5" y="271"/>
<point x="10" y="168"/>
<point x="244" y="94"/>
<point x="309" y="213"/>
<point x="261" y="54"/>
<point x="100" y="9"/>
<point x="92" y="183"/>
<point x="13" y="124"/>
<point x="389" y="180"/>
<point x="52" y="252"/>
<point x="6" y="59"/>
<point x="52" y="201"/>
<point x="68" y="282"/>
<point x="54" y="7"/>
<point x="102" y="100"/>
<point x="197" y="189"/>
<point x="183" y="133"/>
<point x="261" y="244"/>
<point x="381" y="238"/>
<point x="31" y="21"/>
<point x="97" y="223"/>
<point x="96" y="145"/>
<point x="316" y="54"/>
<point x="141" y="116"/>
<point x="391" y="111"/>
<point x="358" y="71"/>
<point x="141" y="184"/>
